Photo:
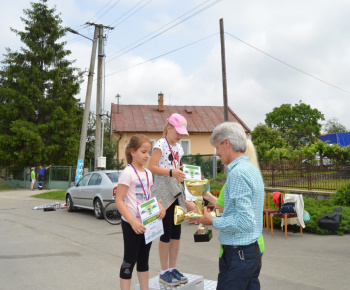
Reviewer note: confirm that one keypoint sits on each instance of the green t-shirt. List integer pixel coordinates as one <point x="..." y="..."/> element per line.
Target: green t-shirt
<point x="220" y="202"/>
<point x="32" y="175"/>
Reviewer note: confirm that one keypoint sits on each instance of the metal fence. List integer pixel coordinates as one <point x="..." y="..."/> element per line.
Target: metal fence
<point x="56" y="177"/>
<point x="299" y="176"/>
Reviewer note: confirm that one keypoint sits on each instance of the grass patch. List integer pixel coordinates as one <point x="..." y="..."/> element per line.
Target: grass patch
<point x="55" y="194"/>
<point x="7" y="188"/>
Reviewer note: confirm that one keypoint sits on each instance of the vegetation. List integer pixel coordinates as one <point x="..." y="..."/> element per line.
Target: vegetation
<point x="316" y="208"/>
<point x="109" y="148"/>
<point x="53" y="194"/>
<point x="342" y="196"/>
<point x="298" y="124"/>
<point x="7" y="188"/>
<point x="40" y="118"/>
<point x="218" y="182"/>
<point x="333" y="126"/>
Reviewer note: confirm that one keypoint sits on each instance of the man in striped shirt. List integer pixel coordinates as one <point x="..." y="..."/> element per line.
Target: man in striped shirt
<point x="240" y="225"/>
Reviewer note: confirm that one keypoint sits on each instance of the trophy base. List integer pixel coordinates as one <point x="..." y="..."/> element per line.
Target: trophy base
<point x="203" y="237"/>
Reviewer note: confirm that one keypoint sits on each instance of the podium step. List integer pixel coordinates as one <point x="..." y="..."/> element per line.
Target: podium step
<point x="195" y="282"/>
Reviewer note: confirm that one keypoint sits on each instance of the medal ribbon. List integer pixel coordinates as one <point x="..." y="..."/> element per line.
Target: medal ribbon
<point x="147" y="194"/>
<point x="172" y="153"/>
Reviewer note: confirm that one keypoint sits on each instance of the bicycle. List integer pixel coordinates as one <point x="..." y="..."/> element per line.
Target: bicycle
<point x="112" y="215"/>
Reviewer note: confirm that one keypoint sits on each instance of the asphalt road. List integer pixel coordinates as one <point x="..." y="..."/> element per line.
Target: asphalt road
<point x="61" y="250"/>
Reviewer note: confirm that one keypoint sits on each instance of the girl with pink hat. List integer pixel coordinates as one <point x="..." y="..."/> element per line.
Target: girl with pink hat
<point x="165" y="166"/>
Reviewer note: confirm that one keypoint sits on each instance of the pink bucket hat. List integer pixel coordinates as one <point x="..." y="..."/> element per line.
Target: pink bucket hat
<point x="179" y="122"/>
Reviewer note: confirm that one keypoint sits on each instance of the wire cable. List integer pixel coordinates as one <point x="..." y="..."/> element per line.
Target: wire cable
<point x="105" y="11"/>
<point x="128" y="12"/>
<point x="287" y="64"/>
<point x="190" y="16"/>
<point x="166" y="53"/>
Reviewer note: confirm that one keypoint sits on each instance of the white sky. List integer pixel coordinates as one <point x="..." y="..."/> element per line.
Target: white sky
<point x="311" y="36"/>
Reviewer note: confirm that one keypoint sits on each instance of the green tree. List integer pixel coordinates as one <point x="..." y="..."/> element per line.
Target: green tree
<point x="264" y="139"/>
<point x="299" y="124"/>
<point x="109" y="148"/>
<point x="40" y="119"/>
<point x="333" y="126"/>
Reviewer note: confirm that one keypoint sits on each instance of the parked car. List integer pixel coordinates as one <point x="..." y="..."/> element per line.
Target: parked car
<point x="93" y="191"/>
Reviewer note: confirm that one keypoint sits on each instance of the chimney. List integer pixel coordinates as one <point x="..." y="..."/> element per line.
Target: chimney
<point x="160" y="102"/>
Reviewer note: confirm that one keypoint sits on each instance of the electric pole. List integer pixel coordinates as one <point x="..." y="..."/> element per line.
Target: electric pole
<point x="83" y="135"/>
<point x="100" y="161"/>
<point x="223" y="64"/>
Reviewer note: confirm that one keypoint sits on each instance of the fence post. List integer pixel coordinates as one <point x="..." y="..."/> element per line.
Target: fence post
<point x="273" y="175"/>
<point x="309" y="177"/>
<point x="215" y="170"/>
<point x="25" y="177"/>
<point x="70" y="176"/>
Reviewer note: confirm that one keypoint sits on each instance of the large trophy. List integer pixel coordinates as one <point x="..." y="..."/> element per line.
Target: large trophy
<point x="196" y="188"/>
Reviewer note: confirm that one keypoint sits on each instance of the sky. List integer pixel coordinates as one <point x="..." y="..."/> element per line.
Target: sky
<point x="277" y="52"/>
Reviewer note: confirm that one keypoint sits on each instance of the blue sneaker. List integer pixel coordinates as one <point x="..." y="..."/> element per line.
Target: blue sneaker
<point x="168" y="279"/>
<point x="179" y="276"/>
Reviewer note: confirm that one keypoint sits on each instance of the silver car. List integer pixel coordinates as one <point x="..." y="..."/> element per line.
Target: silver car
<point x="93" y="191"/>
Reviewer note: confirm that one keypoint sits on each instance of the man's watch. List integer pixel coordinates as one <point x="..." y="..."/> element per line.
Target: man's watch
<point x="217" y="212"/>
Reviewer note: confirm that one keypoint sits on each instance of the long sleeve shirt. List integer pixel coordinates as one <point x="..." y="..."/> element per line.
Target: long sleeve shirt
<point x="241" y="222"/>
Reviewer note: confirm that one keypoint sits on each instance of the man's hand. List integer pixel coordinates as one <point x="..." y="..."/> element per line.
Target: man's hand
<point x="206" y="219"/>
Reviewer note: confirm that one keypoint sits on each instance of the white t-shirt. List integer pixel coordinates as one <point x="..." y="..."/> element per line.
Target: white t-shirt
<point x="135" y="195"/>
<point x="166" y="160"/>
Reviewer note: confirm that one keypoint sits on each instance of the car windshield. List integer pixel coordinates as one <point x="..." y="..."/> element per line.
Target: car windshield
<point x="113" y="176"/>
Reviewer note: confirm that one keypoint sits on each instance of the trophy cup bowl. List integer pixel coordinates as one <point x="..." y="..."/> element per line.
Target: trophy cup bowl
<point x="180" y="215"/>
<point x="198" y="187"/>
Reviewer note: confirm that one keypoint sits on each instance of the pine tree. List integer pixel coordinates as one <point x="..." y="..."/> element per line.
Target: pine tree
<point x="40" y="119"/>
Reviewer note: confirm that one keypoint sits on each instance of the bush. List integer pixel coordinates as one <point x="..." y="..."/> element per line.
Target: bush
<point x="218" y="182"/>
<point x="342" y="195"/>
<point x="318" y="208"/>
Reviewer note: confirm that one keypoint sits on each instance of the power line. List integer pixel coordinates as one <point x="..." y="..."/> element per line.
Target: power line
<point x="169" y="52"/>
<point x="287" y="64"/>
<point x="105" y="11"/>
<point x="190" y="16"/>
<point x="128" y="12"/>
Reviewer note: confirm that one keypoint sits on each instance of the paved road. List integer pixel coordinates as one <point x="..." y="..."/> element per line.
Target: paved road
<point x="61" y="250"/>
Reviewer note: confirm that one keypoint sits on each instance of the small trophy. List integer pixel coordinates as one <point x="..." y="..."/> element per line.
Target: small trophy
<point x="196" y="188"/>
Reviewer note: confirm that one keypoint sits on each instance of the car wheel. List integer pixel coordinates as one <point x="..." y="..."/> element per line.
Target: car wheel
<point x="69" y="202"/>
<point x="98" y="209"/>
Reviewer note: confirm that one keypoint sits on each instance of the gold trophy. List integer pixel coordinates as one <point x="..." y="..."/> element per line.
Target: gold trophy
<point x="196" y="188"/>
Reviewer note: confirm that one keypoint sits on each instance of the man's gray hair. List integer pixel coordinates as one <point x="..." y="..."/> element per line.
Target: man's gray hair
<point x="232" y="131"/>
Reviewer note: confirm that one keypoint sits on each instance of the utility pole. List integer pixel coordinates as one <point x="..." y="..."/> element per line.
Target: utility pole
<point x="83" y="135"/>
<point x="223" y="65"/>
<point x="100" y="161"/>
<point x="99" y="99"/>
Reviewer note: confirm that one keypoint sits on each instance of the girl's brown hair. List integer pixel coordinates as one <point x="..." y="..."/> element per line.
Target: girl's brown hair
<point x="135" y="143"/>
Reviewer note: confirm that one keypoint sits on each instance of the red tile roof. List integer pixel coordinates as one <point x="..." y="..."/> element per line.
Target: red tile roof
<point x="147" y="118"/>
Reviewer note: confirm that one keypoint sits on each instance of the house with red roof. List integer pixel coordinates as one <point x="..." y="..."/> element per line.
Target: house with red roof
<point x="128" y="120"/>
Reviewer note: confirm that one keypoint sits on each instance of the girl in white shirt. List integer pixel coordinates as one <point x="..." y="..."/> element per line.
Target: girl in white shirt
<point x="165" y="165"/>
<point x="134" y="188"/>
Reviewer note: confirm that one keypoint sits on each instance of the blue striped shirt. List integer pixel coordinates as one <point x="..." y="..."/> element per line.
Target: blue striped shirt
<point x="241" y="221"/>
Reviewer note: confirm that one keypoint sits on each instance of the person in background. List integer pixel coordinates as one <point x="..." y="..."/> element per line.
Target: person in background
<point x="134" y="188"/>
<point x="32" y="178"/>
<point x="240" y="224"/>
<point x="165" y="166"/>
<point x="41" y="173"/>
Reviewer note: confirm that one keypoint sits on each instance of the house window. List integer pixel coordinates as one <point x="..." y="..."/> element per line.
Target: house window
<point x="186" y="146"/>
